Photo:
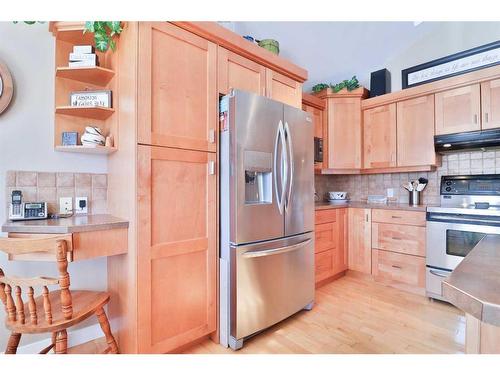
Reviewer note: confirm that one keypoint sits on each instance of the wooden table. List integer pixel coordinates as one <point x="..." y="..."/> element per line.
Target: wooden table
<point x="474" y="287"/>
<point x="88" y="236"/>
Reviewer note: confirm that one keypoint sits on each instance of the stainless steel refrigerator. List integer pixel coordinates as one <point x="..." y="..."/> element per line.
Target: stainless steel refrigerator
<point x="267" y="214"/>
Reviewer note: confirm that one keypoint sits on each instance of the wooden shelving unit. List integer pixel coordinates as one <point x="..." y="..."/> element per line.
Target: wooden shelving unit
<point x="100" y="150"/>
<point x="67" y="80"/>
<point x="95" y="75"/>
<point x="96" y="113"/>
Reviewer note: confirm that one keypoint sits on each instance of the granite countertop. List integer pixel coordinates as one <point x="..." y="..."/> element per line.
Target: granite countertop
<point x="72" y="224"/>
<point x="474" y="286"/>
<point x="358" y="204"/>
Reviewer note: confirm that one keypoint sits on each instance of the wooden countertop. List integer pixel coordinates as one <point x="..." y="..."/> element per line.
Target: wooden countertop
<point x="74" y="224"/>
<point x="357" y="204"/>
<point x="474" y="286"/>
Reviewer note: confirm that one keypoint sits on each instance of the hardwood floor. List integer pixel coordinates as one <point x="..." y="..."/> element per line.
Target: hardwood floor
<point x="355" y="315"/>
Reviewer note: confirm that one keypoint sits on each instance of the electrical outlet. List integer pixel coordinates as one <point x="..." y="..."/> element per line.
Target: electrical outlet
<point x="65" y="205"/>
<point x="390" y="193"/>
<point x="81" y="205"/>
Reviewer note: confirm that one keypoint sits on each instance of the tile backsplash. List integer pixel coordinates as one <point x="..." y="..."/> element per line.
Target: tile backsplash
<point x="50" y="186"/>
<point x="359" y="187"/>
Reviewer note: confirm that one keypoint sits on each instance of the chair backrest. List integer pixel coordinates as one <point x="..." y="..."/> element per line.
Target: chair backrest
<point x="15" y="309"/>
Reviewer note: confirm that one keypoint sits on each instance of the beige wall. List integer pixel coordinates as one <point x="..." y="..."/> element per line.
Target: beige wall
<point x="26" y="141"/>
<point x="445" y="39"/>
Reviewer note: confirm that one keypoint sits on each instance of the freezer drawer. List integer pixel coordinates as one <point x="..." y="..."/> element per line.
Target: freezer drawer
<point x="270" y="281"/>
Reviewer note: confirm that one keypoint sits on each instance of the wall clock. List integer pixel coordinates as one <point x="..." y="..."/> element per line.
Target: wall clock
<point x="6" y="87"/>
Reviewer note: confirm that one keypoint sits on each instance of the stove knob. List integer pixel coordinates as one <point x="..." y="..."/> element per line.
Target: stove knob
<point x="448" y="183"/>
<point x="448" y="188"/>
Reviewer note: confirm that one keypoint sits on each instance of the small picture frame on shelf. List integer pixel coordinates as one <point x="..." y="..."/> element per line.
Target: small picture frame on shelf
<point x="97" y="98"/>
<point x="69" y="138"/>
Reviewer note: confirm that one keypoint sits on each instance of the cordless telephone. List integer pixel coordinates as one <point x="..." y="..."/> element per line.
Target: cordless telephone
<point x="26" y="211"/>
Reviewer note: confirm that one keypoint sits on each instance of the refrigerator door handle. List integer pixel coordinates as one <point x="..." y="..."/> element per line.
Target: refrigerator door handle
<point x="278" y="250"/>
<point x="288" y="138"/>
<point x="278" y="167"/>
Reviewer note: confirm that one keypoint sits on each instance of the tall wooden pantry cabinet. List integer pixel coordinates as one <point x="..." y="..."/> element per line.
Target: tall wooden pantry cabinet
<point x="163" y="178"/>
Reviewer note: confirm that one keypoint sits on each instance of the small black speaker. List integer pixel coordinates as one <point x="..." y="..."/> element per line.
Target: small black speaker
<point x="380" y="83"/>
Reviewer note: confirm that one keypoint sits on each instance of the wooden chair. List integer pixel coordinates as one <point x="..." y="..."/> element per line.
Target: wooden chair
<point x="51" y="312"/>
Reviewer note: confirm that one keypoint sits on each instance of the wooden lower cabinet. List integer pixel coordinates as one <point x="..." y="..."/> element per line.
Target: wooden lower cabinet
<point x="398" y="249"/>
<point x="359" y="240"/>
<point x="330" y="246"/>
<point x="176" y="248"/>
<point x="399" y="270"/>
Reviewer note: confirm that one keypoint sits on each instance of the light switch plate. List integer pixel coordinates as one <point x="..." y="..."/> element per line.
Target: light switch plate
<point x="80" y="210"/>
<point x="65" y="205"/>
<point x="390" y="192"/>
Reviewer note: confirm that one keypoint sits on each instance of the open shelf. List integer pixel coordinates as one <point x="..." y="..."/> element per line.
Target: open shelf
<point x="93" y="75"/>
<point x="97" y="113"/>
<point x="100" y="150"/>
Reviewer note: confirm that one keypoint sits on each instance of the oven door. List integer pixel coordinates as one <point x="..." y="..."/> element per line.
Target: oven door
<point x="450" y="237"/>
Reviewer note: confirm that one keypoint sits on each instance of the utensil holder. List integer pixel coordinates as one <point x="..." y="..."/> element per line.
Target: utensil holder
<point x="414" y="198"/>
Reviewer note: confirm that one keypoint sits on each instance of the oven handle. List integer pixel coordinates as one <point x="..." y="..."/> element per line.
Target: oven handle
<point x="278" y="250"/>
<point x="439" y="273"/>
<point x="459" y="220"/>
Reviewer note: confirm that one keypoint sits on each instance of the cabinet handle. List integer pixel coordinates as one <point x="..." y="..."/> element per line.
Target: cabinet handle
<point x="211" y="135"/>
<point x="396" y="217"/>
<point x="394" y="266"/>
<point x="367" y="218"/>
<point x="486" y="117"/>
<point x="397" y="238"/>
<point x="475" y="119"/>
<point x="211" y="167"/>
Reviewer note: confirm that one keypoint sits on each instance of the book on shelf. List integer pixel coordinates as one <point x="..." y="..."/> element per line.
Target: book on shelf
<point x="83" y="49"/>
<point x="82" y="57"/>
<point x="80" y="64"/>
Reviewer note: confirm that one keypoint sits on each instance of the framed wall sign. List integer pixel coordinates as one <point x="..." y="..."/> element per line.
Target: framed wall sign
<point x="98" y="98"/>
<point x="6" y="87"/>
<point x="452" y="65"/>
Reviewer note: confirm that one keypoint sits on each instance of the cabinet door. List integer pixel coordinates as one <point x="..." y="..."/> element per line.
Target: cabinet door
<point x="340" y="253"/>
<point x="176" y="247"/>
<point x="490" y="104"/>
<point x="458" y="110"/>
<point x="416" y="132"/>
<point x="344" y="133"/>
<point x="283" y="89"/>
<point x="360" y="250"/>
<point x="177" y="88"/>
<point x="379" y="134"/>
<point x="237" y="72"/>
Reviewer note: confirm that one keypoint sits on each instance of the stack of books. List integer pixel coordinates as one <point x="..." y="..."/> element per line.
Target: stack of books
<point x="83" y="56"/>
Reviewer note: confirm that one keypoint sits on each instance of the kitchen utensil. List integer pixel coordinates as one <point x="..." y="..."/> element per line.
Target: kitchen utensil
<point x="334" y="195"/>
<point x="421" y="187"/>
<point x="423" y="180"/>
<point x="408" y="186"/>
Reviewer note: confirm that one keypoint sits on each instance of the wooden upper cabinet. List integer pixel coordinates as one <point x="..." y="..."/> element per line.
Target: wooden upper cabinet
<point x="316" y="107"/>
<point x="283" y="89"/>
<point x="490" y="104"/>
<point x="237" y="72"/>
<point x="342" y="128"/>
<point x="415" y="132"/>
<point x="458" y="110"/>
<point x="177" y="88"/>
<point x="359" y="240"/>
<point x="379" y="137"/>
<point x="177" y="254"/>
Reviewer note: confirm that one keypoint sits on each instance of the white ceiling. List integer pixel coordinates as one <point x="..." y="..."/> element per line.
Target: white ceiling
<point x="334" y="51"/>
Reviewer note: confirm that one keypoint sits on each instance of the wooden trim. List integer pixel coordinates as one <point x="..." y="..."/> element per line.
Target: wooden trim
<point x="235" y="43"/>
<point x="419" y="168"/>
<point x="313" y="101"/>
<point x="360" y="92"/>
<point x="477" y="76"/>
<point x="328" y="280"/>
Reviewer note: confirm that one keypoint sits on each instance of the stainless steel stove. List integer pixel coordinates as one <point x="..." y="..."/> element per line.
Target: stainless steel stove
<point x="469" y="210"/>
